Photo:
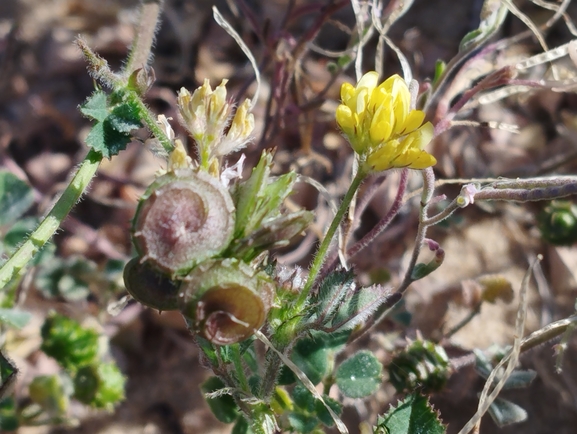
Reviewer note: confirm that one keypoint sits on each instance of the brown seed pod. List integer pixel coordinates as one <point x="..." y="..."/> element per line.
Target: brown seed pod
<point x="150" y="287"/>
<point x="183" y="218"/>
<point x="225" y="300"/>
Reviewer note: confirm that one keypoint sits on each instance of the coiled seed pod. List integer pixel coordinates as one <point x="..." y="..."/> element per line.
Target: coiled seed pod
<point x="225" y="300"/>
<point x="149" y="287"/>
<point x="183" y="218"/>
<point x="422" y="364"/>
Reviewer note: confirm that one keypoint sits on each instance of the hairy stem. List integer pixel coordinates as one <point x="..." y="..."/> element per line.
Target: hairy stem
<point x="237" y="362"/>
<point x="428" y="189"/>
<point x="324" y="247"/>
<point x="53" y="219"/>
<point x="386" y="220"/>
<point x="139" y="56"/>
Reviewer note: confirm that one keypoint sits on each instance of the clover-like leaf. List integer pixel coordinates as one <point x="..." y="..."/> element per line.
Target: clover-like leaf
<point x="413" y="415"/>
<point x="360" y="375"/>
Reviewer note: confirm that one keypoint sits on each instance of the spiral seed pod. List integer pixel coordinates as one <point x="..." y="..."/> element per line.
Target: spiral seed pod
<point x="422" y="364"/>
<point x="183" y="218"/>
<point x="225" y="300"/>
<point x="149" y="287"/>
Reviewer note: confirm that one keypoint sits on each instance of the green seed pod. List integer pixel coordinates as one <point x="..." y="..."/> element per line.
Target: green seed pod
<point x="225" y="300"/>
<point x="150" y="287"/>
<point x="422" y="364"/>
<point x="183" y="218"/>
<point x="558" y="223"/>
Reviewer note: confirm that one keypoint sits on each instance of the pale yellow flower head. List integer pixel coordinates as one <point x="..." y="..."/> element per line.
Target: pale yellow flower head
<point x="206" y="114"/>
<point x="378" y="121"/>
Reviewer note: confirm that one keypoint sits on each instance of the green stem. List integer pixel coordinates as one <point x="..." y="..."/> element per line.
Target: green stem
<point x="149" y="120"/>
<point x="324" y="247"/>
<point x="237" y="362"/>
<point x="52" y="221"/>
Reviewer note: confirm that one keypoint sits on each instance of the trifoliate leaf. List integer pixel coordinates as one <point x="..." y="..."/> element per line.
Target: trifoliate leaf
<point x="360" y="375"/>
<point x="413" y="415"/>
<point x="16" y="198"/>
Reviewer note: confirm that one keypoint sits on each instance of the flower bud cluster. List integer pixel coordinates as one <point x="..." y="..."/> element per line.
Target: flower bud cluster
<point x="206" y="114"/>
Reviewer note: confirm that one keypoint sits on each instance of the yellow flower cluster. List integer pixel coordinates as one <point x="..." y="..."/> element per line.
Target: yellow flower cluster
<point x="382" y="128"/>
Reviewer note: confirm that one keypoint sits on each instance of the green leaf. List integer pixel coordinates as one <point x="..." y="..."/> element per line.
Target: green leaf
<point x="100" y="385"/>
<point x="241" y="427"/>
<point x="492" y="17"/>
<point x="413" y="415"/>
<point x="259" y="199"/>
<point x="360" y="375"/>
<point x="302" y="423"/>
<point x="124" y="118"/>
<point x="14" y="317"/>
<point x="67" y="278"/>
<point x="311" y="356"/>
<point x="68" y="342"/>
<point x="96" y="106"/>
<point x="322" y="412"/>
<point x="504" y="412"/>
<point x="51" y="392"/>
<point x="8" y="415"/>
<point x="111" y="384"/>
<point x="106" y="140"/>
<point x="303" y="398"/>
<point x="8" y="375"/>
<point x="16" y="197"/>
<point x="207" y="348"/>
<point x="223" y="407"/>
<point x="332" y="291"/>
<point x="360" y="306"/>
<point x="114" y="122"/>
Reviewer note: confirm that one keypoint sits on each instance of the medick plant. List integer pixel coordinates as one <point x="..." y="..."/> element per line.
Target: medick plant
<point x="203" y="236"/>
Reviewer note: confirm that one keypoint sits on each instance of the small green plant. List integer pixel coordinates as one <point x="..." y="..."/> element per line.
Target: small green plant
<point x="274" y="336"/>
